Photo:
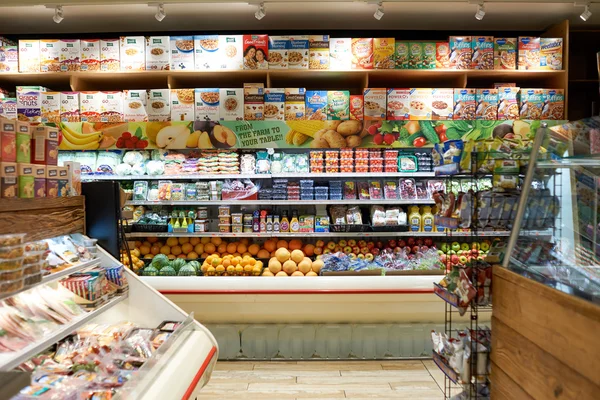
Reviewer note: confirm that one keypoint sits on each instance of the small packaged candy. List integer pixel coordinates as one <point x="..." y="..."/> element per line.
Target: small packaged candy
<point x="390" y="190"/>
<point x="363" y="190"/>
<point x="375" y="191"/>
<point x="408" y="189"/>
<point x="349" y="190"/>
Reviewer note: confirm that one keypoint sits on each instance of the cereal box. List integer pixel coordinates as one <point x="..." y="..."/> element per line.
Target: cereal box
<point x="134" y="106"/>
<point x="338" y="105"/>
<point x="316" y="104"/>
<point x="39" y="181"/>
<point x="207" y="104"/>
<point x="508" y="103"/>
<point x="52" y="182"/>
<point x="374" y="104"/>
<point x="487" y="104"/>
<point x="319" y="52"/>
<point x="274" y="104"/>
<point x="256" y="52"/>
<point x="50" y="55"/>
<point x="357" y="107"/>
<point x="74" y="169"/>
<point x="89" y="106"/>
<point x="442" y="55"/>
<point x="231" y="52"/>
<point x="465" y="104"/>
<point x="63" y="182"/>
<point x="340" y="54"/>
<point x="158" y="105"/>
<point x="50" y="107"/>
<point x="110" y="55"/>
<point x="231" y="104"/>
<point x="9" y="59"/>
<point x="44" y="145"/>
<point x="505" y="53"/>
<point x="183" y="104"/>
<point x="383" y="53"/>
<point x="504" y="84"/>
<point x="279" y="47"/>
<point x="182" y="53"/>
<point x="23" y="135"/>
<point x="8" y="138"/>
<point x="551" y="53"/>
<point x="415" y="55"/>
<point x="298" y="55"/>
<point x="8" y="108"/>
<point x="70" y="55"/>
<point x="294" y="104"/>
<point x="29" y="56"/>
<point x="254" y="102"/>
<point x="362" y="53"/>
<point x="398" y="104"/>
<point x="26" y="181"/>
<point x="442" y="104"/>
<point x="69" y="107"/>
<point x="8" y="180"/>
<point x="29" y="103"/>
<point x="461" y="52"/>
<point x="428" y="55"/>
<point x="420" y="103"/>
<point x="529" y="52"/>
<point x="111" y="107"/>
<point x="90" y="55"/>
<point x="401" y="55"/>
<point x="532" y="104"/>
<point x="483" y="52"/>
<point x="158" y="53"/>
<point x="554" y="104"/>
<point x="206" y="48"/>
<point x="133" y="53"/>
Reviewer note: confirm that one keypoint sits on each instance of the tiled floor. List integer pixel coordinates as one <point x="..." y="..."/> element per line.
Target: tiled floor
<point x="420" y="380"/>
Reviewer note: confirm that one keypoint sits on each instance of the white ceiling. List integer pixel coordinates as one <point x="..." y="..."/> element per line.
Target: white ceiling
<point x="33" y="17"/>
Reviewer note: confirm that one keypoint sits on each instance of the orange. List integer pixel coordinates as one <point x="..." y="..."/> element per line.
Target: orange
<point x="309" y="250"/>
<point x="192" y="255"/>
<point x="222" y="248"/>
<point x="172" y="242"/>
<point x="235" y="261"/>
<point x="155" y="249"/>
<point x="205" y="240"/>
<point x="144" y="250"/>
<point x="295" y="244"/>
<point x="241" y="248"/>
<point x="270" y="246"/>
<point x="187" y="248"/>
<point x="226" y="262"/>
<point x="194" y="241"/>
<point x="203" y="255"/>
<point x="199" y="248"/>
<point x="147" y="243"/>
<point x="245" y="241"/>
<point x="182" y="256"/>
<point x="282" y="243"/>
<point x="138" y="244"/>
<point x="171" y="257"/>
<point x="216" y="241"/>
<point x="176" y="250"/>
<point x="166" y="250"/>
<point x="209" y="248"/>
<point x="184" y="240"/>
<point x="253" y="249"/>
<point x="152" y="239"/>
<point x="263" y="254"/>
<point x="231" y="248"/>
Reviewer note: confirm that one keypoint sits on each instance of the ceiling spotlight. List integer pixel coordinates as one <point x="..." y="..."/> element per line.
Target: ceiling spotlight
<point x="379" y="12"/>
<point x="160" y="12"/>
<point x="480" y="12"/>
<point x="261" y="12"/>
<point x="586" y="14"/>
<point x="58" y="14"/>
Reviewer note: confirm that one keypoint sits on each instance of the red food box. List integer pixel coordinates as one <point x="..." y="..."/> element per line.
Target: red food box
<point x="357" y="107"/>
<point x="8" y="140"/>
<point x="44" y="145"/>
<point x="254" y="45"/>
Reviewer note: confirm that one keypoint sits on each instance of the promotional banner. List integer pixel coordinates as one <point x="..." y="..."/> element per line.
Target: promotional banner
<point x="178" y="135"/>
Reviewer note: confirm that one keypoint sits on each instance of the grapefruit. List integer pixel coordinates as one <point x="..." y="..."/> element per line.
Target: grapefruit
<point x="176" y="250"/>
<point x="166" y="250"/>
<point x="282" y="254"/>
<point x="281" y="273"/>
<point x="274" y="265"/>
<point x="297" y="256"/>
<point x="187" y="248"/>
<point x="199" y="248"/>
<point x="297" y="273"/>
<point x="205" y="240"/>
<point x="317" y="265"/>
<point x="282" y="243"/>
<point x="194" y="241"/>
<point x="290" y="267"/>
<point x="309" y="250"/>
<point x="216" y="241"/>
<point x="295" y="244"/>
<point x="184" y="240"/>
<point x="305" y="266"/>
<point x="172" y="242"/>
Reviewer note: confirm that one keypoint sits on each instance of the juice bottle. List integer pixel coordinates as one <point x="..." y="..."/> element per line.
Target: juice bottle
<point x="427" y="220"/>
<point x="294" y="223"/>
<point x="284" y="226"/>
<point x="414" y="219"/>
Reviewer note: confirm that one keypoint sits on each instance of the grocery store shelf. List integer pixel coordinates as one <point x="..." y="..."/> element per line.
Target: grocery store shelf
<point x="305" y="235"/>
<point x="71" y="270"/>
<point x="11" y="360"/>
<point x="357" y="175"/>
<point x="273" y="202"/>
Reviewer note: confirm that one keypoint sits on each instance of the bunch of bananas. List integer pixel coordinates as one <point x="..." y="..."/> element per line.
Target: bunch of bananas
<point x="73" y="140"/>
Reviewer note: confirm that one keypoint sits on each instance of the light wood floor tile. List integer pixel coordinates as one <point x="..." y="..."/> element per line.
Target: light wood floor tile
<point x="319" y="386"/>
<point x="231" y="385"/>
<point x="388" y="372"/>
<point x="320" y="366"/>
<point x="364" y="380"/>
<point x="412" y="386"/>
<point x="259" y="395"/>
<point x="234" y="366"/>
<point x="253" y="376"/>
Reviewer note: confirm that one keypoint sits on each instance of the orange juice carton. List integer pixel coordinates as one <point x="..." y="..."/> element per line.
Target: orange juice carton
<point x="90" y="55"/>
<point x="133" y="53"/>
<point x="8" y="180"/>
<point x="8" y="140"/>
<point x="23" y="134"/>
<point x="110" y="55"/>
<point x="49" y="55"/>
<point x="70" y="55"/>
<point x="29" y="56"/>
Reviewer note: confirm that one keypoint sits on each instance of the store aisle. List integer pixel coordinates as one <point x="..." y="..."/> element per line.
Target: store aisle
<point x="326" y="379"/>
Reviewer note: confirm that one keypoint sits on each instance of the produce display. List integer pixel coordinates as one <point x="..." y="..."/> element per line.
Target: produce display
<point x="292" y="263"/>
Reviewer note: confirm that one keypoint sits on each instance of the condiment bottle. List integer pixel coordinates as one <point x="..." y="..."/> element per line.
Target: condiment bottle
<point x="256" y="221"/>
<point x="285" y="224"/>
<point x="294" y="223"/>
<point x="414" y="219"/>
<point x="269" y="223"/>
<point x="263" y="221"/>
<point x="427" y="220"/>
<point x="276" y="223"/>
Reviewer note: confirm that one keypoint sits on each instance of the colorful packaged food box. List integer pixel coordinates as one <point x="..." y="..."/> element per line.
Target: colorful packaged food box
<point x="206" y="50"/>
<point x="442" y="55"/>
<point x="338" y="105"/>
<point x="505" y="53"/>
<point x="295" y="106"/>
<point x="231" y="104"/>
<point x="8" y="107"/>
<point x="134" y="106"/>
<point x="90" y="55"/>
<point x="274" y="104"/>
<point x="158" y="53"/>
<point x="401" y="55"/>
<point x="23" y="142"/>
<point x="256" y="51"/>
<point x="254" y="102"/>
<point x="50" y="51"/>
<point x="383" y="53"/>
<point x="110" y="55"/>
<point x="90" y="104"/>
<point x="8" y="180"/>
<point x="279" y="46"/>
<point x="183" y="104"/>
<point x="39" y="181"/>
<point x="8" y="139"/>
<point x="9" y="59"/>
<point x="63" y="182"/>
<point x="428" y="55"/>
<point x="318" y="56"/>
<point x="554" y="104"/>
<point x="298" y="54"/>
<point x="420" y="103"/>
<point x="74" y="170"/>
<point x="231" y="52"/>
<point x="29" y="103"/>
<point x="316" y="104"/>
<point x="112" y="107"/>
<point x="52" y="182"/>
<point x="465" y="104"/>
<point x="551" y="54"/>
<point x="340" y="54"/>
<point x="415" y="55"/>
<point x="29" y="56"/>
<point x="532" y="103"/>
<point x="398" y="104"/>
<point x="442" y="104"/>
<point x="69" y="107"/>
<point x="375" y="101"/>
<point x="529" y="53"/>
<point x="50" y="107"/>
<point x="508" y="103"/>
<point x="487" y="104"/>
<point x="158" y="105"/>
<point x="461" y="52"/>
<point x="26" y="181"/>
<point x="70" y="55"/>
<point x="133" y="53"/>
<point x="44" y="145"/>
<point x="483" y="52"/>
<point x="182" y="53"/>
<point x="357" y="104"/>
<point x="207" y="104"/>
<point x="362" y="53"/>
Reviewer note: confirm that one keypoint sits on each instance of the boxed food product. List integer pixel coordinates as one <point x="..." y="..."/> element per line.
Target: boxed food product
<point x="532" y="103"/>
<point x="134" y="106"/>
<point x="338" y="105"/>
<point x="465" y="104"/>
<point x="551" y="54"/>
<point x="231" y="104"/>
<point x="316" y="104"/>
<point x="362" y="53"/>
<point x="256" y="51"/>
<point x="340" y="54"/>
<point x="487" y="104"/>
<point x="158" y="105"/>
<point x="206" y="48"/>
<point x="69" y="107"/>
<point x="74" y="171"/>
<point x="298" y="54"/>
<point x="29" y="56"/>
<point x="428" y="55"/>
<point x="39" y="181"/>
<point x="182" y="53"/>
<point x="8" y="180"/>
<point x="442" y="104"/>
<point x="90" y="104"/>
<point x="383" y="53"/>
<point x="110" y="55"/>
<point x="90" y="55"/>
<point x="529" y="52"/>
<point x="158" y="53"/>
<point x="29" y="103"/>
<point x="133" y="53"/>
<point x="44" y="145"/>
<point x="461" y="46"/>
<point x="420" y="103"/>
<point x="357" y="106"/>
<point x="401" y="54"/>
<point x="398" y="104"/>
<point x="8" y="139"/>
<point x="23" y="142"/>
<point x="374" y="104"/>
<point x="442" y="55"/>
<point x="50" y="51"/>
<point x="111" y="107"/>
<point x="274" y="104"/>
<point x="207" y="104"/>
<point x="415" y="55"/>
<point x="508" y="103"/>
<point x="9" y="59"/>
<point x="8" y="107"/>
<point x="295" y="107"/>
<point x="63" y="182"/>
<point x="231" y="52"/>
<point x="26" y="181"/>
<point x="50" y="107"/>
<point x="319" y="52"/>
<point x="70" y="55"/>
<point x="555" y="104"/>
<point x="254" y="102"/>
<point x="52" y="181"/>
<point x="279" y="46"/>
<point x="483" y="52"/>
<point x="505" y="53"/>
<point x="182" y="104"/>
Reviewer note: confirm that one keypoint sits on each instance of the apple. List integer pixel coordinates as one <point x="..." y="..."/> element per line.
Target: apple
<point x="398" y="249"/>
<point x="331" y="245"/>
<point x="443" y="258"/>
<point x="454" y="259"/>
<point x="419" y="242"/>
<point x="485" y="246"/>
<point x="375" y="251"/>
<point x="441" y="253"/>
<point x="415" y="249"/>
<point x="392" y="243"/>
<point x="352" y="256"/>
<point x="351" y="242"/>
<point x="462" y="259"/>
<point x="356" y="249"/>
<point x="410" y="242"/>
<point x="343" y="243"/>
<point x="455" y="246"/>
<point x="370" y="245"/>
<point x="474" y="252"/>
<point x="379" y="245"/>
<point x="451" y="252"/>
<point x="480" y="258"/>
<point x="361" y="256"/>
<point x="369" y="257"/>
<point x="424" y="248"/>
<point x="364" y="250"/>
<point x="318" y="250"/>
<point x="475" y="246"/>
<point x="362" y="243"/>
<point x="320" y="243"/>
<point x="327" y="251"/>
<point x="445" y="247"/>
<point x="337" y="249"/>
<point x="465" y="247"/>
<point x="428" y="242"/>
<point x="401" y="243"/>
<point x="347" y="249"/>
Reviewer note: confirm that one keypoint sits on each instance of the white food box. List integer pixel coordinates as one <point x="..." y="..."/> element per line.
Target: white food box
<point x="70" y="55"/>
<point x="254" y="102"/>
<point x="182" y="53"/>
<point x="398" y="104"/>
<point x="51" y="107"/>
<point x="50" y="55"/>
<point x="90" y="55"/>
<point x="9" y="59"/>
<point x="207" y="104"/>
<point x="182" y="104"/>
<point x="69" y="107"/>
<point x="29" y="56"/>
<point x="112" y="107"/>
<point x="231" y="52"/>
<point x="90" y="103"/>
<point x="298" y="54"/>
<point x="206" y="50"/>
<point x="274" y="104"/>
<point x="133" y="53"/>
<point x="340" y="54"/>
<point x="420" y="103"/>
<point x="29" y="103"/>
<point x="110" y="55"/>
<point x="375" y="104"/>
<point x="279" y="46"/>
<point x="134" y="106"/>
<point x="231" y="104"/>
<point x="158" y="105"/>
<point x="8" y="108"/>
<point x="158" y="53"/>
<point x="442" y="104"/>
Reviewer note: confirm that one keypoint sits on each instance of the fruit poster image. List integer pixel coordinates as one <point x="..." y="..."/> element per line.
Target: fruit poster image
<point x="291" y="134"/>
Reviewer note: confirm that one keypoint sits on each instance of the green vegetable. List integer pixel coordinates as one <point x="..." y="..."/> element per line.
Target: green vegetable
<point x="404" y="135"/>
<point x="195" y="265"/>
<point x="453" y="133"/>
<point x="187" y="270"/>
<point x="177" y="264"/>
<point x="159" y="261"/>
<point x="150" y="271"/>
<point x="167" y="271"/>
<point x="429" y="132"/>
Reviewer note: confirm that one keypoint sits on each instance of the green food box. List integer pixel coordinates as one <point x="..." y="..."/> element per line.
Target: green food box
<point x="338" y="105"/>
<point x="415" y="55"/>
<point x="401" y="55"/>
<point x="428" y="54"/>
<point x="26" y="181"/>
